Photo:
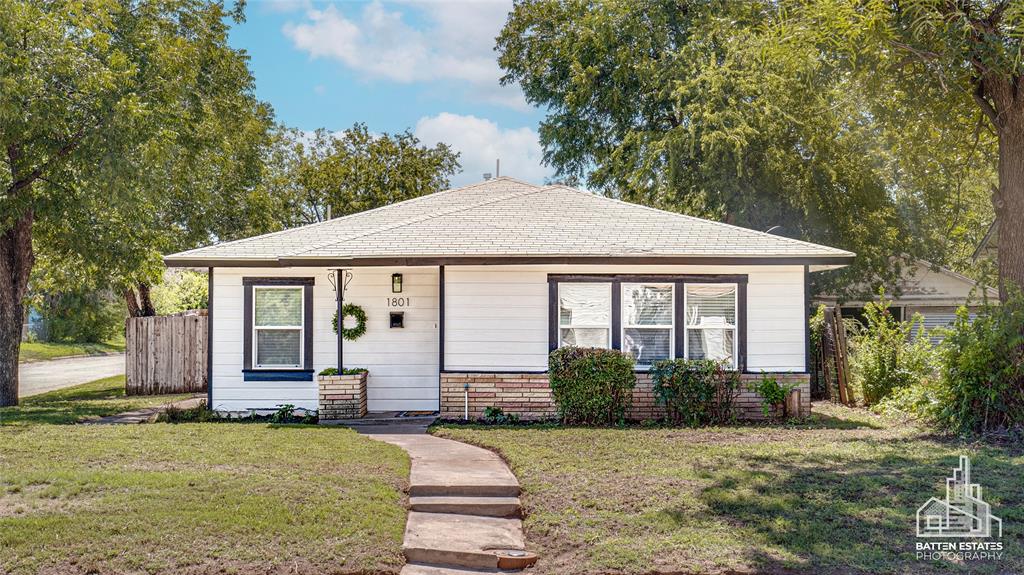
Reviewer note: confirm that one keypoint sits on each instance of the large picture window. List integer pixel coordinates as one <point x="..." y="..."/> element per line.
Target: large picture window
<point x="647" y="322"/>
<point x="584" y="314"/>
<point x="278" y="325"/>
<point x="711" y="325"/>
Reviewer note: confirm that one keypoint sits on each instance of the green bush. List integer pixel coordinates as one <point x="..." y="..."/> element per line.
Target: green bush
<point x="773" y="394"/>
<point x="497" y="416"/>
<point x="883" y="358"/>
<point x="695" y="392"/>
<point x="981" y="387"/>
<point x="591" y="386"/>
<point x="182" y="291"/>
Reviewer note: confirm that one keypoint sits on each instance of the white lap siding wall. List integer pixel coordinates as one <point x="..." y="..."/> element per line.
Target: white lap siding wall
<point x="496" y="317"/>
<point x="402" y="363"/>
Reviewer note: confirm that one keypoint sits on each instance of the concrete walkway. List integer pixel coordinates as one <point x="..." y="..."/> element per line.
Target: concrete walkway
<point x="42" y="376"/>
<point x="463" y="506"/>
<point x="148" y="414"/>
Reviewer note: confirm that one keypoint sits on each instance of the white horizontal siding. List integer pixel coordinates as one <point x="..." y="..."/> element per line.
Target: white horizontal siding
<point x="496" y="317"/>
<point x="403" y="363"/>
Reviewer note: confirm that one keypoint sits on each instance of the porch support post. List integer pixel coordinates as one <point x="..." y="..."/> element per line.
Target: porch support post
<point x="339" y="278"/>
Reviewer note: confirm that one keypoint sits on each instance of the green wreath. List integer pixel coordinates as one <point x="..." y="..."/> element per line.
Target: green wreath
<point x="351" y="333"/>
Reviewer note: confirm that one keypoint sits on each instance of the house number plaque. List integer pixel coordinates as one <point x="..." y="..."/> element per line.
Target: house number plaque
<point x="399" y="302"/>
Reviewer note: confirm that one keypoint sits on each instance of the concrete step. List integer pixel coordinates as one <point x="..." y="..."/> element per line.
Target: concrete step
<point x="418" y="569"/>
<point x="463" y="490"/>
<point x="485" y="506"/>
<point x="466" y="541"/>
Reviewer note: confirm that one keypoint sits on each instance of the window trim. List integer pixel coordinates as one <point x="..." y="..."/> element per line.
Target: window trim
<point x="735" y="328"/>
<point x="257" y="328"/>
<point x="305" y="342"/>
<point x="740" y="280"/>
<point x="611" y="320"/>
<point x="670" y="327"/>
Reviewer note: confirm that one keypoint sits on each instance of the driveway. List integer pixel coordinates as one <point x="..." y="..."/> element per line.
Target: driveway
<point x="42" y="376"/>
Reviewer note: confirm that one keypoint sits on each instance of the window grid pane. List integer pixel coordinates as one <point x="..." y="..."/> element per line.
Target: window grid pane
<point x="278" y="347"/>
<point x="584" y="314"/>
<point x="278" y="307"/>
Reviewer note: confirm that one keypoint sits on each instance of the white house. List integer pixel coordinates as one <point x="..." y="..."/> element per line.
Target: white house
<point x="466" y="292"/>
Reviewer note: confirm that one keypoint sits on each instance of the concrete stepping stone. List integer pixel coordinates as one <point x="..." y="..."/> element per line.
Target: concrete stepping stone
<point x="460" y="540"/>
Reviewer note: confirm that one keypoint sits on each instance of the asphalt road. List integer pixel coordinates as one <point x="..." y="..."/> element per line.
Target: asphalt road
<point x="42" y="376"/>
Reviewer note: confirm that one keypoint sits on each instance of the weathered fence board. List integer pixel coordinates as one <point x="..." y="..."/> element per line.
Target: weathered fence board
<point x="166" y="354"/>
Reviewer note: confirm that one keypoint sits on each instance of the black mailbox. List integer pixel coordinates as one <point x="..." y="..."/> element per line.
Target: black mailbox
<point x="398" y="319"/>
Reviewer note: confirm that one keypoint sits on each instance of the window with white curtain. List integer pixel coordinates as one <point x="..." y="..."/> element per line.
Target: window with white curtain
<point x="584" y="314"/>
<point x="648" y="312"/>
<point x="711" y="322"/>
<point x="278" y="326"/>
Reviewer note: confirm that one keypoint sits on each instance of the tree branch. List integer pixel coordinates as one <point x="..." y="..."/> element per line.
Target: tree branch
<point x="984" y="104"/>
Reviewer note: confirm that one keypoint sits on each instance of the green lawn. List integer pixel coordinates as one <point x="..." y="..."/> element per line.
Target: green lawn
<point x="192" y="498"/>
<point x="835" y="496"/>
<point x="89" y="400"/>
<point x="41" y="351"/>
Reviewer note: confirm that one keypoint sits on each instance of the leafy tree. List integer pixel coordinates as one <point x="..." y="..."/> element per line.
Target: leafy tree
<point x="184" y="290"/>
<point x="103" y="105"/>
<point x="936" y="65"/>
<point x="704" y="107"/>
<point x="352" y="171"/>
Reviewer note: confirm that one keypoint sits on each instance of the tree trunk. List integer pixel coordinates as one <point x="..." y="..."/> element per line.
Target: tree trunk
<point x="1009" y="202"/>
<point x="16" y="261"/>
<point x="145" y="301"/>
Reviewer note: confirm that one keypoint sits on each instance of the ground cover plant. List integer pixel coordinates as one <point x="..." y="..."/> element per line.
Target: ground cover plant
<point x="836" y="494"/>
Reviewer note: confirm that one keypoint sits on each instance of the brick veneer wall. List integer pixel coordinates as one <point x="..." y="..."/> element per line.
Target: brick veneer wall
<point x="529" y="396"/>
<point x="342" y="396"/>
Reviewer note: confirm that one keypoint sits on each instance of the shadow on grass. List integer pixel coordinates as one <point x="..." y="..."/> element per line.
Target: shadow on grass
<point x="859" y="517"/>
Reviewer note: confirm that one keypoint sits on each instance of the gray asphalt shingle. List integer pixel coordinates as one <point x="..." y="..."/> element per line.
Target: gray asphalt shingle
<point x="507" y="217"/>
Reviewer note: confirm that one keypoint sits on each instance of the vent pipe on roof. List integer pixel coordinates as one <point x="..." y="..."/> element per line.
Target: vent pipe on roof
<point x="497" y="168"/>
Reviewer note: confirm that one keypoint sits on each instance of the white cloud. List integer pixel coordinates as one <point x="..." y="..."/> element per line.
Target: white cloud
<point x="481" y="142"/>
<point x="453" y="42"/>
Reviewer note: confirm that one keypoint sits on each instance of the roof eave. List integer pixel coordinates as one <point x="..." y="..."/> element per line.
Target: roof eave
<point x="824" y="261"/>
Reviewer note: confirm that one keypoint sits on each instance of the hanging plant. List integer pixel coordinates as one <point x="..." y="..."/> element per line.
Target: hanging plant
<point x="356" y="331"/>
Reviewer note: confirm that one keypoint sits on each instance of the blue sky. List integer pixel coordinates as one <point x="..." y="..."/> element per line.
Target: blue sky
<point x="428" y="66"/>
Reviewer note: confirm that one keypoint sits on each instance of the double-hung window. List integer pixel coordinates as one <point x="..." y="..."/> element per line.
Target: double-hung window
<point x="278" y="322"/>
<point x="278" y="326"/>
<point x="648" y="331"/>
<point x="584" y="314"/>
<point x="711" y="325"/>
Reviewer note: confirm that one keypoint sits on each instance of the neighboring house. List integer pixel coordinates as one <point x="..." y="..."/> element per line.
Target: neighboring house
<point x="466" y="292"/>
<point x="962" y="514"/>
<point x="932" y="291"/>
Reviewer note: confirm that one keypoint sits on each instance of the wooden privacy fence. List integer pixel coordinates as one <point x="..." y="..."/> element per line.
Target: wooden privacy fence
<point x="166" y="354"/>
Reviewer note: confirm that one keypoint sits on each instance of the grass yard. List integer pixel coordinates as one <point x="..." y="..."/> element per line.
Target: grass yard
<point x="838" y="495"/>
<point x="90" y="400"/>
<point x="42" y="351"/>
<point x="191" y="498"/>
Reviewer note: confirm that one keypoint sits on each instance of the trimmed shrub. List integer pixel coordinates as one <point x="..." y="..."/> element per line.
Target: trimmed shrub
<point x="981" y="388"/>
<point x="591" y="386"/>
<point x="695" y="392"/>
<point x="883" y="357"/>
